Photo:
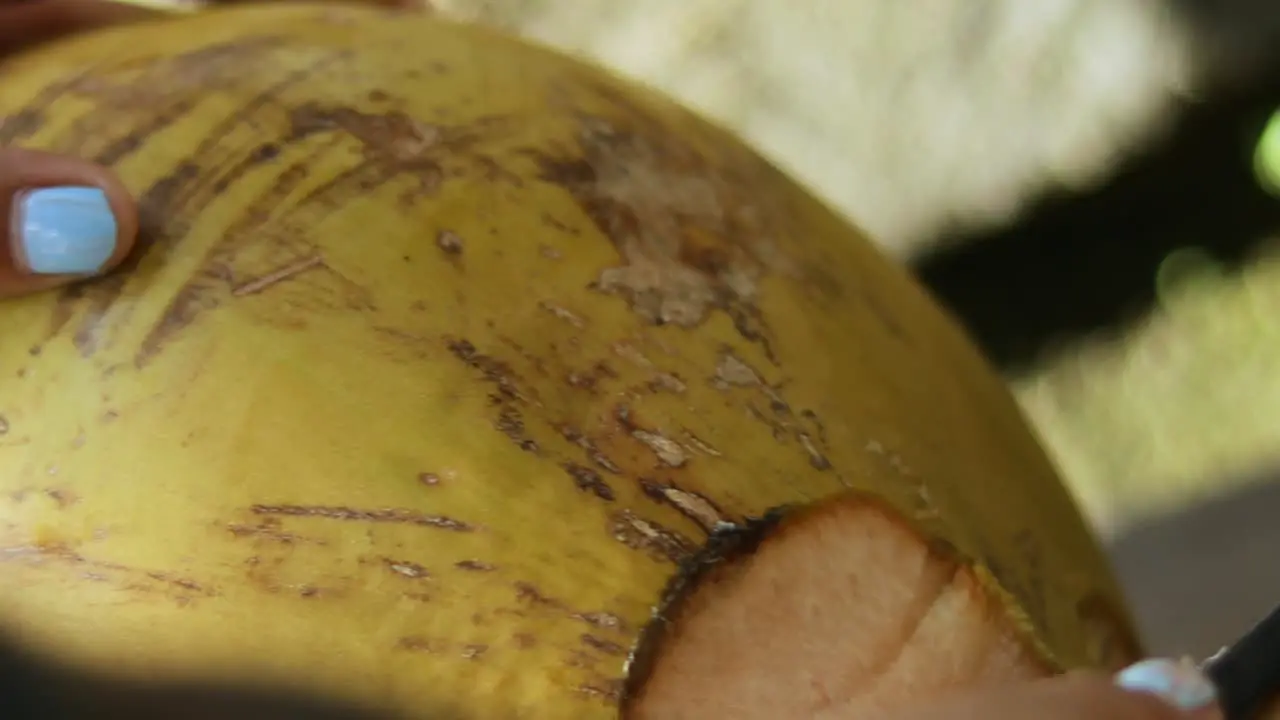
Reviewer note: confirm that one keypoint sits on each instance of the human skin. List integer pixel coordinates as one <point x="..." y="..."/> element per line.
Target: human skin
<point x="1073" y="696"/>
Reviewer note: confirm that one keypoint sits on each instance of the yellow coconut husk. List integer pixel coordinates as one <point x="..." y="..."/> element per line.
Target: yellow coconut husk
<point x="454" y="372"/>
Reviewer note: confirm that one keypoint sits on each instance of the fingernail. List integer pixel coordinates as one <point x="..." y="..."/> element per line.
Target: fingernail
<point x="1180" y="684"/>
<point x="63" y="230"/>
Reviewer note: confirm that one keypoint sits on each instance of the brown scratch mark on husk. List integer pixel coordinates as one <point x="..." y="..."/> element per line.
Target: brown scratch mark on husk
<point x="225" y="168"/>
<point x="269" y="529"/>
<point x="62" y="497"/>
<point x="667" y="382"/>
<point x="508" y="397"/>
<point x="158" y="91"/>
<point x="181" y="311"/>
<point x="696" y="231"/>
<point x="699" y="444"/>
<point x="291" y="270"/>
<point x="590" y="379"/>
<point x="394" y="145"/>
<point x="450" y="243"/>
<point x="666" y="450"/>
<point x="181" y="589"/>
<point x="406" y="569"/>
<point x="474" y="651"/>
<point x="380" y="515"/>
<point x="608" y="647"/>
<point x="529" y="593"/>
<point x="418" y="643"/>
<point x="588" y="480"/>
<point x="564" y="314"/>
<point x="658" y="541"/>
<point x="26" y="122"/>
<point x="692" y="505"/>
<point x="23" y="124"/>
<point x="576" y="437"/>
<point x="733" y="372"/>
<point x="630" y="352"/>
<point x="64" y="309"/>
<point x="495" y="371"/>
<point x="609" y="691"/>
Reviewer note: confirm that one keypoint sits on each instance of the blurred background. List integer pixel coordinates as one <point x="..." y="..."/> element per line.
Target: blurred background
<point x="1089" y="185"/>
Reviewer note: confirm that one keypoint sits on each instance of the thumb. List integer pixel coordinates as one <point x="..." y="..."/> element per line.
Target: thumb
<point x="1073" y="696"/>
<point x="67" y="219"/>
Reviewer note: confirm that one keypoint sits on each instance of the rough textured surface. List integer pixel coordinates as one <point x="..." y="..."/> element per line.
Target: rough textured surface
<point x="463" y="348"/>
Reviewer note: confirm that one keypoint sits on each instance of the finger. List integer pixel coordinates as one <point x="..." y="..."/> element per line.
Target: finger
<point x="1180" y="684"/>
<point x="1114" y="698"/>
<point x="67" y="219"/>
<point x="24" y="24"/>
<point x="1069" y="697"/>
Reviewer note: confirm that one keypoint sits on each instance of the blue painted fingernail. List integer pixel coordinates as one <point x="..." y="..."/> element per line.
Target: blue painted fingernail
<point x="64" y="230"/>
<point x="1179" y="684"/>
